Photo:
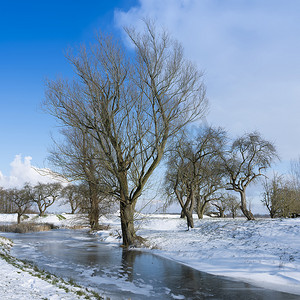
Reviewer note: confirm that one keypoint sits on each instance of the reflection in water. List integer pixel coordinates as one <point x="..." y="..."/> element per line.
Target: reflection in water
<point x="127" y="268"/>
<point x="123" y="274"/>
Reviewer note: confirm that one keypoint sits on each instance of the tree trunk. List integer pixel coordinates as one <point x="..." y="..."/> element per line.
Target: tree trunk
<point x="94" y="216"/>
<point x="189" y="212"/>
<point x="19" y="218"/>
<point x="184" y="208"/>
<point x="222" y="215"/>
<point x="94" y="212"/>
<point x="41" y="207"/>
<point x="247" y="213"/>
<point x="182" y="214"/>
<point x="200" y="210"/>
<point x="127" y="225"/>
<point x="233" y="213"/>
<point x="189" y="219"/>
<point x="128" y="260"/>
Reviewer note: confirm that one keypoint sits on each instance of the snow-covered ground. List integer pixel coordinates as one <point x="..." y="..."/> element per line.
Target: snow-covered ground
<point x="60" y="220"/>
<point x="264" y="252"/>
<point x="21" y="281"/>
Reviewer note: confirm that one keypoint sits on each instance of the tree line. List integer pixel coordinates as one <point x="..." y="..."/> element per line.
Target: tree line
<point x="203" y="166"/>
<point x="22" y="200"/>
<point x="41" y="196"/>
<point x="281" y="194"/>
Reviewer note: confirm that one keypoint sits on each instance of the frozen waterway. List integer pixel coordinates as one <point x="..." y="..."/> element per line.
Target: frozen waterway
<point x="123" y="274"/>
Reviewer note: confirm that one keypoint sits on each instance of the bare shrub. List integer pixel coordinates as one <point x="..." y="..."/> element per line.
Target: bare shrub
<point x="26" y="227"/>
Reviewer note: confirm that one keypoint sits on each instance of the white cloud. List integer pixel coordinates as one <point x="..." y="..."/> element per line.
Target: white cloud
<point x="21" y="172"/>
<point x="249" y="51"/>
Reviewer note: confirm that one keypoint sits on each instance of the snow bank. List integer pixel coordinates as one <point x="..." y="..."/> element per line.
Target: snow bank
<point x="61" y="220"/>
<point x="16" y="283"/>
<point x="8" y="218"/>
<point x="264" y="252"/>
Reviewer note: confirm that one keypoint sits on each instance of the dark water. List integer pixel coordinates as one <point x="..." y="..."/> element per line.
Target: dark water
<point x="123" y="274"/>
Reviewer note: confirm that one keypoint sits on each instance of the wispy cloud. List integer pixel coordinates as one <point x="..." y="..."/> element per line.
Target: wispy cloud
<point x="21" y="172"/>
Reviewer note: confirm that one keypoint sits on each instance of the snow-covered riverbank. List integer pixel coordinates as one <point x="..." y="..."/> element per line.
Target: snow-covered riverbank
<point x="265" y="252"/>
<point x="21" y="281"/>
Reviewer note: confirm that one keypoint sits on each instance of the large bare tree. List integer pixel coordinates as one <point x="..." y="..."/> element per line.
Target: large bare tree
<point x="248" y="158"/>
<point x="132" y="103"/>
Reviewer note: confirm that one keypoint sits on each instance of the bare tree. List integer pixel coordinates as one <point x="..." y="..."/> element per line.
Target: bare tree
<point x="281" y="196"/>
<point x="221" y="207"/>
<point x="295" y="172"/>
<point x="132" y="104"/>
<point x="232" y="204"/>
<point x="20" y="199"/>
<point x="6" y="206"/>
<point x="194" y="171"/>
<point x="273" y="195"/>
<point x="226" y="203"/>
<point x="44" y="195"/>
<point x="179" y="181"/>
<point x="210" y="183"/>
<point x="79" y="159"/>
<point x="72" y="196"/>
<point x="248" y="158"/>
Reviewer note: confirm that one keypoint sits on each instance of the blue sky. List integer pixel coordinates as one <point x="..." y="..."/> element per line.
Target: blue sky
<point x="249" y="51"/>
<point x="33" y="38"/>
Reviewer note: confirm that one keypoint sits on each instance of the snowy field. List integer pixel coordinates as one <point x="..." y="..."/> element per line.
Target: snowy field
<point x="265" y="252"/>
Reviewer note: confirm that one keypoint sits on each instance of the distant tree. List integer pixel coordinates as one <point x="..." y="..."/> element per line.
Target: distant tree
<point x="194" y="173"/>
<point x="226" y="203"/>
<point x="295" y="182"/>
<point x="232" y="204"/>
<point x="209" y="186"/>
<point x="105" y="204"/>
<point x="72" y="196"/>
<point x="6" y="205"/>
<point x="79" y="159"/>
<point x="281" y="196"/>
<point x="20" y="199"/>
<point x="221" y="207"/>
<point x="44" y="195"/>
<point x="273" y="195"/>
<point x="295" y="172"/>
<point x="179" y="182"/>
<point x="291" y="201"/>
<point x="247" y="159"/>
<point x="132" y="103"/>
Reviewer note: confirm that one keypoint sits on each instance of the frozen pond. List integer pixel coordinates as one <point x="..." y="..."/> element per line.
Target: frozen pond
<point x="121" y="274"/>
